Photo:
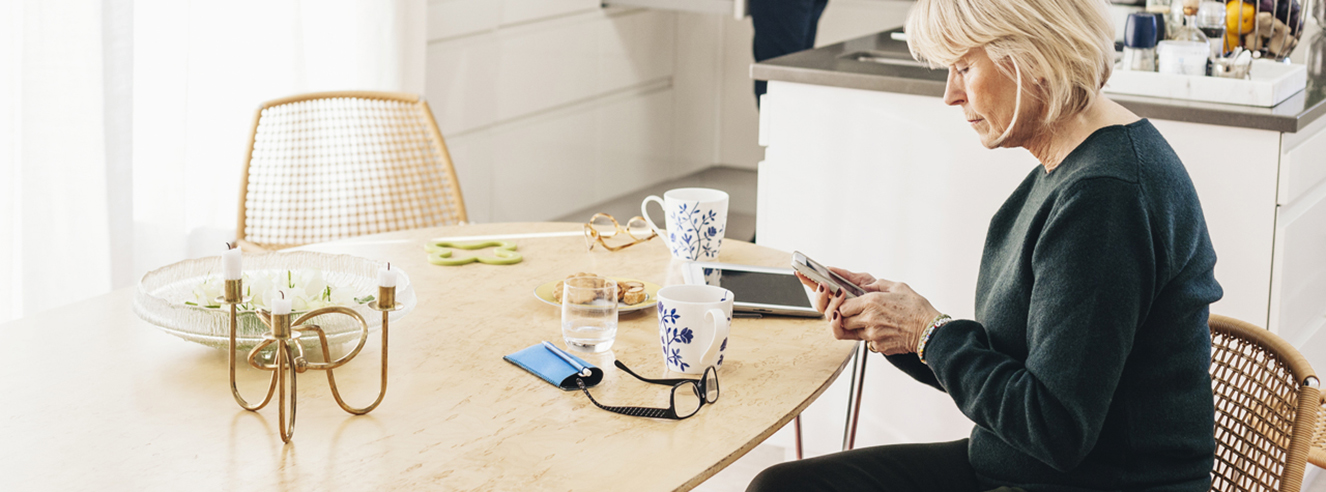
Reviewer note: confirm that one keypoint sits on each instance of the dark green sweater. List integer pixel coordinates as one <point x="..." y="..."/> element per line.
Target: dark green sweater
<point x="1087" y="365"/>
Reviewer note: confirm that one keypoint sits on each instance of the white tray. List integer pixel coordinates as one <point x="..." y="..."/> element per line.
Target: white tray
<point x="1271" y="83"/>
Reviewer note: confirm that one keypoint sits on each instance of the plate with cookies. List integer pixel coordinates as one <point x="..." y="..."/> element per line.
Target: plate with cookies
<point x="632" y="294"/>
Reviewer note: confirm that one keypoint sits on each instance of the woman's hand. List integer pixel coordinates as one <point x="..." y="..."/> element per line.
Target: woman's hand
<point x="822" y="294"/>
<point x="890" y="317"/>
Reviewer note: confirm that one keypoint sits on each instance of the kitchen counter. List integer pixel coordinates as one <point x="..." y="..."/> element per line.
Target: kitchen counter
<point x="879" y="63"/>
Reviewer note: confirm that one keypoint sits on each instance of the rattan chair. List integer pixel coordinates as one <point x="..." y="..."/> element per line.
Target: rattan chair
<point x="1317" y="455"/>
<point x="1266" y="401"/>
<point x="334" y="165"/>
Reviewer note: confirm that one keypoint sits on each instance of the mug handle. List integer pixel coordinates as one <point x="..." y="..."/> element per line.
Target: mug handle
<point x="721" y="328"/>
<point x="644" y="212"/>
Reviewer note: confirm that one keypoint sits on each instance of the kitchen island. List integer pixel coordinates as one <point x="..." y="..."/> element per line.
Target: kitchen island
<point x="867" y="169"/>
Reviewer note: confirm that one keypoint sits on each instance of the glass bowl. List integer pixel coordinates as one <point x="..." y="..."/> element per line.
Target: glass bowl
<point x="162" y="293"/>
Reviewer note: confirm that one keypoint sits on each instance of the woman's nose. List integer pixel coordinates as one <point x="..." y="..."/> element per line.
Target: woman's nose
<point x="953" y="92"/>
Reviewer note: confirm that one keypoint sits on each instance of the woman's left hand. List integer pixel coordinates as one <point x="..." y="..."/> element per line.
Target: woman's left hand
<point x="890" y="320"/>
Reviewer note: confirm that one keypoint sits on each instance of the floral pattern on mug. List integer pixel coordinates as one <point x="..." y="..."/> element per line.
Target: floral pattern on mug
<point x="699" y="232"/>
<point x="672" y="334"/>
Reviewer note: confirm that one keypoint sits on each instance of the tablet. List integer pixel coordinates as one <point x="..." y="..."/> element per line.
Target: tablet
<point x="761" y="290"/>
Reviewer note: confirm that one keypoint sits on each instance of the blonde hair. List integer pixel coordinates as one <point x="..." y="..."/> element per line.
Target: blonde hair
<point x="1065" y="45"/>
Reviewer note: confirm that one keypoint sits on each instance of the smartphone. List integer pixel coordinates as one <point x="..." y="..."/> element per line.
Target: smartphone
<point x="817" y="272"/>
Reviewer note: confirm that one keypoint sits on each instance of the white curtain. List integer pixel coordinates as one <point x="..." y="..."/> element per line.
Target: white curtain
<point x="123" y="123"/>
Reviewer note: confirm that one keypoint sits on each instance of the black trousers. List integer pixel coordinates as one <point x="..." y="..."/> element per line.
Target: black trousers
<point x="782" y="27"/>
<point x="934" y="467"/>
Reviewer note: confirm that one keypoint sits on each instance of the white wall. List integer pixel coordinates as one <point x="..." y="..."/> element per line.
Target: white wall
<point x="549" y="106"/>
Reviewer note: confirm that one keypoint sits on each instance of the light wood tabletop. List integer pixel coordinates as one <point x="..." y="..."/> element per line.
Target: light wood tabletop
<point x="93" y="397"/>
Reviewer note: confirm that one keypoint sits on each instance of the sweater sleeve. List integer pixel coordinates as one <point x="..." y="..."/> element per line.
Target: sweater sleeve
<point x="1094" y="272"/>
<point x="911" y="365"/>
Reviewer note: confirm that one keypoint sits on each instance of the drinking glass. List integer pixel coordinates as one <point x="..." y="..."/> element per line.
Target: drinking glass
<point x="1211" y="21"/>
<point x="589" y="313"/>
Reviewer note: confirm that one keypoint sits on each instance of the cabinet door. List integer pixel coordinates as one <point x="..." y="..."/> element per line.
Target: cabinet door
<point x="1303" y="166"/>
<point x="1298" y="278"/>
<point x="1298" y="288"/>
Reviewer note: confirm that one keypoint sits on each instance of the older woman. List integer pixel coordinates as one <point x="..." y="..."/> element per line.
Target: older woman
<point x="1085" y="367"/>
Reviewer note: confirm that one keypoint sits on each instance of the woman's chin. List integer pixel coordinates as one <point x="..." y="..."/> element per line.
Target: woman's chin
<point x="990" y="141"/>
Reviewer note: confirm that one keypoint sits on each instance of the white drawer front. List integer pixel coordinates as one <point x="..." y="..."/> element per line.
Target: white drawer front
<point x="1303" y="167"/>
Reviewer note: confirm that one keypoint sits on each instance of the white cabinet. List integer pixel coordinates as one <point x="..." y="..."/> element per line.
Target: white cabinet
<point x="1298" y="276"/>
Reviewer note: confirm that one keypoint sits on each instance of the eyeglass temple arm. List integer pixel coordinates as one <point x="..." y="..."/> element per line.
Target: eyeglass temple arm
<point x="667" y="382"/>
<point x="653" y="413"/>
<point x="589" y="231"/>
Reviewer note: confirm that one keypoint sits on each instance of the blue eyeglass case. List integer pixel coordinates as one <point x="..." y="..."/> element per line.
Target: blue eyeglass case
<point x="548" y="366"/>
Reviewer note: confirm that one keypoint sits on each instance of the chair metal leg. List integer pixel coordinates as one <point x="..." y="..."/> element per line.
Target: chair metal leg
<point x="798" y="433"/>
<point x="854" y="396"/>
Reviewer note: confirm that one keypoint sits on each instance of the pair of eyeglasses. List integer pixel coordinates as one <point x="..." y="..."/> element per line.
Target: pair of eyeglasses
<point x="604" y="226"/>
<point x="688" y="395"/>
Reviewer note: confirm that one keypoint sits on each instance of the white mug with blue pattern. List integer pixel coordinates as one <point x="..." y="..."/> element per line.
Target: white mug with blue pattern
<point x="693" y="326"/>
<point x="696" y="220"/>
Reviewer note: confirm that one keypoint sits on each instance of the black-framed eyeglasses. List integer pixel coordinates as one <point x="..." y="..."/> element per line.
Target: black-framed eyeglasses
<point x="688" y="395"/>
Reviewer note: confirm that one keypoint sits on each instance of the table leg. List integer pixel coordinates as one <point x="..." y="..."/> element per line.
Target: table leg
<point x="854" y="396"/>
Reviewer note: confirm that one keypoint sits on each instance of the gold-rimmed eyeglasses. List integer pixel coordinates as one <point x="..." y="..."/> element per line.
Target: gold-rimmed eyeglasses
<point x="604" y="226"/>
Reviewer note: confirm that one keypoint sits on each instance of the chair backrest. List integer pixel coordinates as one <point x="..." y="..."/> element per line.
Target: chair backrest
<point x="333" y="165"/>
<point x="1266" y="404"/>
<point x="1317" y="455"/>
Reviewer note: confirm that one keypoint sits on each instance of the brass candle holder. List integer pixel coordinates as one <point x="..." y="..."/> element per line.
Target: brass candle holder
<point x="290" y="361"/>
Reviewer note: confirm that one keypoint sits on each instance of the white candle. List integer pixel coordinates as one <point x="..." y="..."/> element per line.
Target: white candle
<point x="232" y="263"/>
<point x="281" y="303"/>
<point x="386" y="277"/>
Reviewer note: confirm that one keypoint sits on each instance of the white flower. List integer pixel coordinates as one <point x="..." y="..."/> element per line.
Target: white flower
<point x="205" y="293"/>
<point x="307" y="289"/>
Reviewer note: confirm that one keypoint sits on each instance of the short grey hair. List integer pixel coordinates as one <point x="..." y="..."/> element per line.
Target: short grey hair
<point x="1066" y="47"/>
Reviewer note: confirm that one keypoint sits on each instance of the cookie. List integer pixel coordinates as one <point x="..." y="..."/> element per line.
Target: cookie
<point x="634" y="295"/>
<point x="582" y="279"/>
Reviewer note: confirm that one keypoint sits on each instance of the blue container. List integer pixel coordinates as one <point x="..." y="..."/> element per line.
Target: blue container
<point x="1141" y="30"/>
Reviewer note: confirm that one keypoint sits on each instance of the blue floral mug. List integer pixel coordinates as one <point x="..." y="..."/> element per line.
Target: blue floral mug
<point x="696" y="220"/>
<point x="693" y="326"/>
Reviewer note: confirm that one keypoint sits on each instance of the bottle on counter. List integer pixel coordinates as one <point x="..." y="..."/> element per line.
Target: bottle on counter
<point x="1187" y="29"/>
<point x="1159" y="8"/>
<point x="1211" y="22"/>
<point x="1139" y="42"/>
<point x="1174" y="19"/>
<point x="1186" y="51"/>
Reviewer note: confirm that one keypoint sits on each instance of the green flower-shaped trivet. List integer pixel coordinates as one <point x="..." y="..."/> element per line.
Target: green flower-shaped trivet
<point x="439" y="253"/>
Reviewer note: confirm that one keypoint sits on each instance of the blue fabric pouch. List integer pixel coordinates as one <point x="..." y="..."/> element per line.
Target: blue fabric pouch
<point x="551" y="368"/>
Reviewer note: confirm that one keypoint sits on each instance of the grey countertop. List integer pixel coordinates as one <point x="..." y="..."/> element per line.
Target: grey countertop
<point x="879" y="63"/>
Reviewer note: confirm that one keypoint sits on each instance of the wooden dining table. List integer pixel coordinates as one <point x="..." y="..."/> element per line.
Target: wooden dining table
<point x="92" y="397"/>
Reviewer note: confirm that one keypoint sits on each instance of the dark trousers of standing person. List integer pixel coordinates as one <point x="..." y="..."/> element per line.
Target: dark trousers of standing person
<point x="782" y="27"/>
<point x="935" y="467"/>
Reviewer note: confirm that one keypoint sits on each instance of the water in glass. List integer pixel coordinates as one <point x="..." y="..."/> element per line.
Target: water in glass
<point x="589" y="313"/>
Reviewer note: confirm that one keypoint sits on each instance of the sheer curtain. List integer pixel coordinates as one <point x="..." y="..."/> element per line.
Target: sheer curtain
<point x="123" y="123"/>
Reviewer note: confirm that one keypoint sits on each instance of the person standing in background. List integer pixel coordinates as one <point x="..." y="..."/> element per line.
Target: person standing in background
<point x="782" y="27"/>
